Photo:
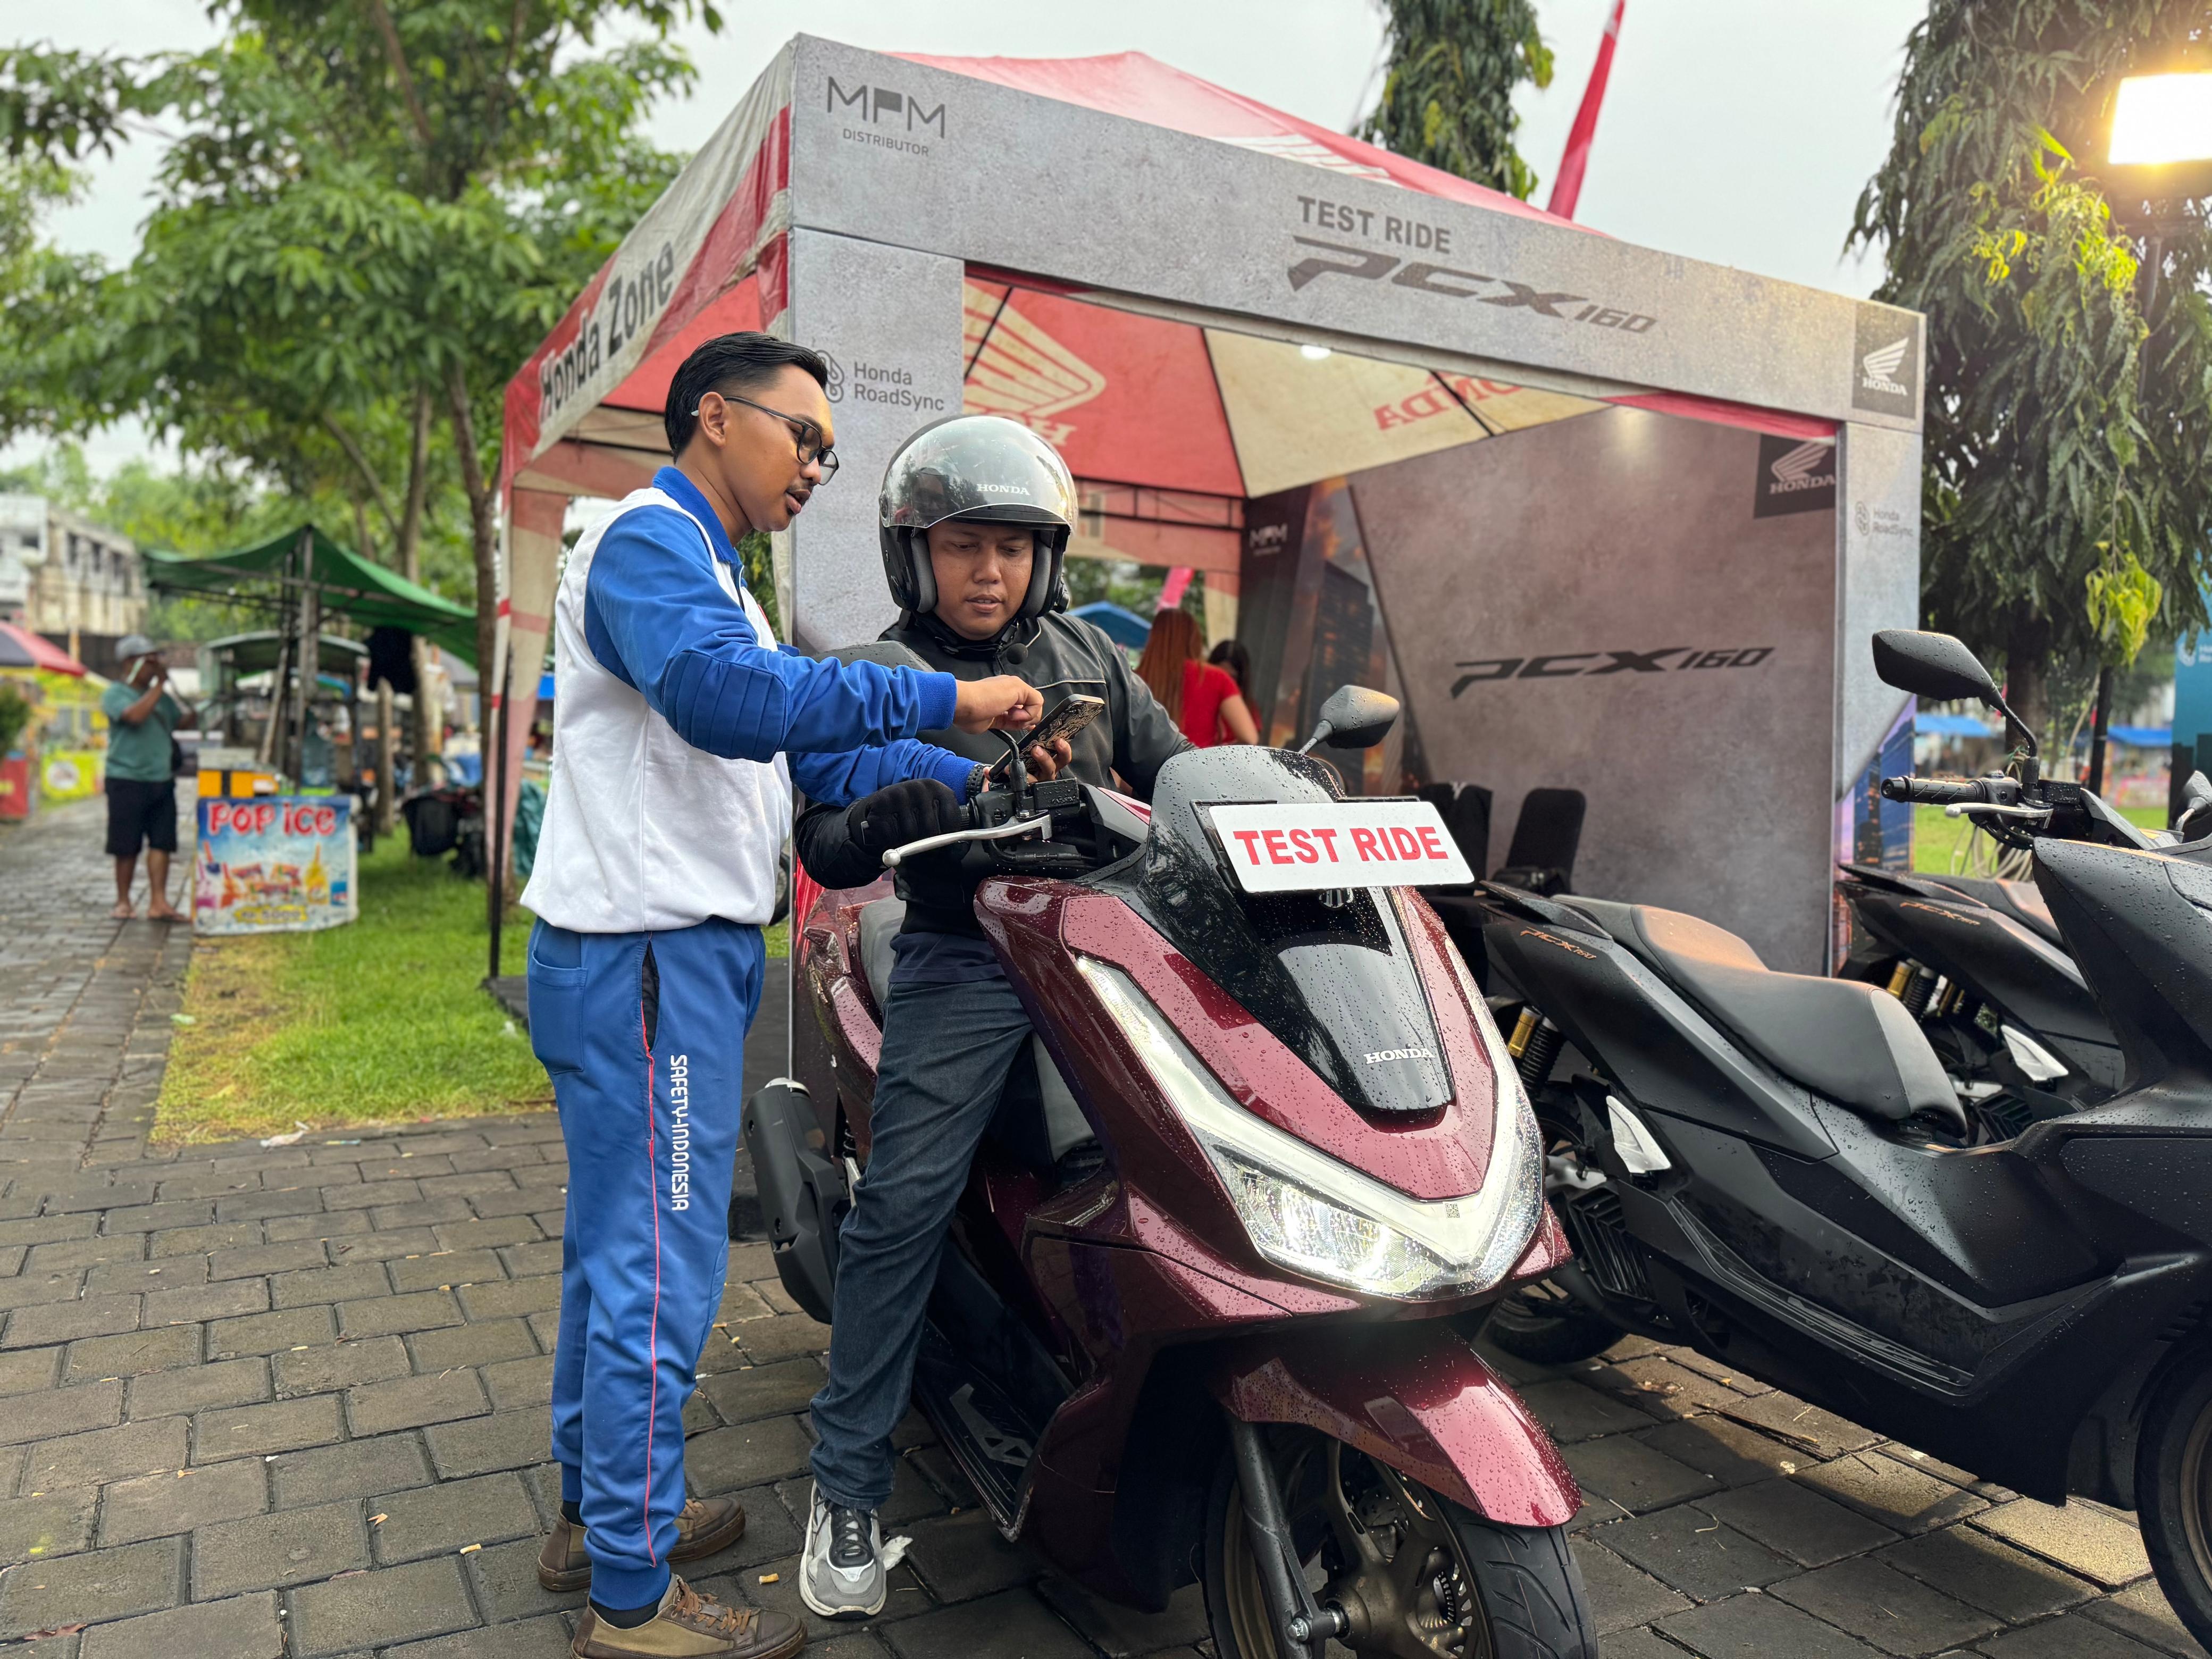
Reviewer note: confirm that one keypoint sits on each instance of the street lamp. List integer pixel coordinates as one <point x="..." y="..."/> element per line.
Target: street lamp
<point x="2159" y="167"/>
<point x="2157" y="174"/>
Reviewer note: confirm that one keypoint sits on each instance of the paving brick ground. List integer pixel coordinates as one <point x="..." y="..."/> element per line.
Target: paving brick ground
<point x="293" y="1401"/>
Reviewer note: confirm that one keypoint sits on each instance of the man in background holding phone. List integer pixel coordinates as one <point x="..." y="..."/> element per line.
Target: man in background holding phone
<point x="142" y="719"/>
<point x="975" y="515"/>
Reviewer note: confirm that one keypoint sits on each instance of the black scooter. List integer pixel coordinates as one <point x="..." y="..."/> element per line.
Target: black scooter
<point x="1982" y="965"/>
<point x="1776" y="1170"/>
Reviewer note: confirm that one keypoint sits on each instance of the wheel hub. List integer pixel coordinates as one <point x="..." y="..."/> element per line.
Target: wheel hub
<point x="1399" y="1580"/>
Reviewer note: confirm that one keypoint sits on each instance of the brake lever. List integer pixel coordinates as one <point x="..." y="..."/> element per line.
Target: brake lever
<point x="899" y="855"/>
<point x="1961" y="809"/>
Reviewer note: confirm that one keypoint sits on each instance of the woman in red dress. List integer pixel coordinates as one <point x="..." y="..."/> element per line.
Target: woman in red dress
<point x="1200" y="698"/>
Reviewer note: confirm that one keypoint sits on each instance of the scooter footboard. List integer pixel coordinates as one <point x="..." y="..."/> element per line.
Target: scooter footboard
<point x="1415" y="1396"/>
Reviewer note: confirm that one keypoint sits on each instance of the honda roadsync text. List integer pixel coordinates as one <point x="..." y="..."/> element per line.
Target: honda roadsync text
<point x="1231" y="1343"/>
<point x="1778" y="1170"/>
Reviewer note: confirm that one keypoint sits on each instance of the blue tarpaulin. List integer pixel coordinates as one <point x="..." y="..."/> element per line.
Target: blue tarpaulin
<point x="1122" y="625"/>
<point x="2143" y="736"/>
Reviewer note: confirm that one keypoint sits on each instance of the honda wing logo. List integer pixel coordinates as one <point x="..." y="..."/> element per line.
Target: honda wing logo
<point x="1885" y="360"/>
<point x="1794" y="469"/>
<point x="1882" y="366"/>
<point x="1017" y="369"/>
<point x="1795" y="476"/>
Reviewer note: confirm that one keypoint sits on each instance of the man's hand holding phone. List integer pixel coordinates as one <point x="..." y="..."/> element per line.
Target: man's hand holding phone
<point x="1003" y="702"/>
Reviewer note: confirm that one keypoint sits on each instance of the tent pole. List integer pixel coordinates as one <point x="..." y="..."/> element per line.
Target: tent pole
<point x="497" y="861"/>
<point x="311" y="666"/>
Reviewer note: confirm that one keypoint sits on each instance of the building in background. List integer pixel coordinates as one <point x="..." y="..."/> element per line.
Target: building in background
<point x="79" y="583"/>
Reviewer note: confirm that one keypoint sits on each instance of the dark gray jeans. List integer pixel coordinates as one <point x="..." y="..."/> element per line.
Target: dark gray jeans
<point x="947" y="1052"/>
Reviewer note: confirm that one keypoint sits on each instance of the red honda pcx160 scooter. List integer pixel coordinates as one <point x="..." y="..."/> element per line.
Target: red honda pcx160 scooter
<point x="1233" y="1345"/>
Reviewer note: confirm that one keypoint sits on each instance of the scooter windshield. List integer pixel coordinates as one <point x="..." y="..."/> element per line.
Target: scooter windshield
<point x="1329" y="973"/>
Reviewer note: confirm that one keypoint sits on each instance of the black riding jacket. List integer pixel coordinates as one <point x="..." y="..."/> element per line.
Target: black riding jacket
<point x="1059" y="654"/>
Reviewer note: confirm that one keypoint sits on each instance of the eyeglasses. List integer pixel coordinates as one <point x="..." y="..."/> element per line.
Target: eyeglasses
<point x="804" y="433"/>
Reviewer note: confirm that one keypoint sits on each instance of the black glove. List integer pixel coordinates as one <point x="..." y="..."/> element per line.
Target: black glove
<point x="904" y="812"/>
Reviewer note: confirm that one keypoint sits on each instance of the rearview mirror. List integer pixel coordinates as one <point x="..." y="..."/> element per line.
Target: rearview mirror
<point x="1354" y="717"/>
<point x="1934" y="665"/>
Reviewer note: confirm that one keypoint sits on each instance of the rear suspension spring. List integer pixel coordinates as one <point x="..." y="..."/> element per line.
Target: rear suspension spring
<point x="1534" y="1045"/>
<point x="1910" y="985"/>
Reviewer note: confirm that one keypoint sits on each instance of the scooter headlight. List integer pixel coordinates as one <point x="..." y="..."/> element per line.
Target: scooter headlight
<point x="1316" y="1216"/>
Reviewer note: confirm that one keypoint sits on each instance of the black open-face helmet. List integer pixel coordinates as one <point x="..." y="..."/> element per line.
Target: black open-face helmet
<point x="979" y="467"/>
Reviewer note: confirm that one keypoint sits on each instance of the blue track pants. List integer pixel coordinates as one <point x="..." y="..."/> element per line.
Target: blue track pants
<point x="643" y="1035"/>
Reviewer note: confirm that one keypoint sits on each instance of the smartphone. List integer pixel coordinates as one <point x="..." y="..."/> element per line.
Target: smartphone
<point x="1063" y="720"/>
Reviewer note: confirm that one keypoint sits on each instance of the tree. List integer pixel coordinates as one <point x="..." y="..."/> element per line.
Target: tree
<point x="1448" y="98"/>
<point x="2067" y="493"/>
<point x="372" y="215"/>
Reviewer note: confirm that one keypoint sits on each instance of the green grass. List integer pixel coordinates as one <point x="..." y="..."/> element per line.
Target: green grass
<point x="382" y="1020"/>
<point x="378" y="1022"/>
<point x="1936" y="839"/>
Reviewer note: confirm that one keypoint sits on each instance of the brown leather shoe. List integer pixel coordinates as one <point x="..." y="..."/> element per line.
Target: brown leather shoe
<point x="690" y="1626"/>
<point x="707" y="1527"/>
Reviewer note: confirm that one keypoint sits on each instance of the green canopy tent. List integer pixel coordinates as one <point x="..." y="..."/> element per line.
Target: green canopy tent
<point x="304" y="577"/>
<point x="344" y="583"/>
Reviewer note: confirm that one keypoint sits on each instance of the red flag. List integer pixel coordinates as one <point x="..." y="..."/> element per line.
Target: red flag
<point x="1172" y="590"/>
<point x="1568" y="186"/>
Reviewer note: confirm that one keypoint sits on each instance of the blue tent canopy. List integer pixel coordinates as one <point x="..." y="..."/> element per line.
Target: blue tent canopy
<point x="1950" y="725"/>
<point x="2144" y="737"/>
<point x="1120" y="625"/>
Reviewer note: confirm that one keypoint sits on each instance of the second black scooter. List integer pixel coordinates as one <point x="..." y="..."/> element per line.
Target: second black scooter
<point x="1776" y="1170"/>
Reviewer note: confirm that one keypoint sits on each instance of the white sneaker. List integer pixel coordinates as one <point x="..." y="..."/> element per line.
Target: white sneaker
<point x="842" y="1573"/>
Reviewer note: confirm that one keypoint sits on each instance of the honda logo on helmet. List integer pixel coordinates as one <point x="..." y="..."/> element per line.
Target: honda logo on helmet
<point x="1004" y="488"/>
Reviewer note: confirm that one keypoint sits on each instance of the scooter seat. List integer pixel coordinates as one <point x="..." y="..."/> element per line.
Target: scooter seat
<point x="1064" y="1126"/>
<point x="1852" y="1042"/>
<point x="880" y="921"/>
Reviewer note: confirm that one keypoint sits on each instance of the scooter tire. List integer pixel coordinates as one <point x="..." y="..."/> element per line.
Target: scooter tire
<point x="1571" y="1333"/>
<point x="2174" y="1489"/>
<point x="1531" y="1591"/>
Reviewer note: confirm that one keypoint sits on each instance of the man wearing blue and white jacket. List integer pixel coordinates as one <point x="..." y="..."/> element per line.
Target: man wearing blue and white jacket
<point x="678" y="732"/>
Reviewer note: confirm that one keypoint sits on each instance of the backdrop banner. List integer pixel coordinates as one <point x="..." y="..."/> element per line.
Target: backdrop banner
<point x="1596" y="604"/>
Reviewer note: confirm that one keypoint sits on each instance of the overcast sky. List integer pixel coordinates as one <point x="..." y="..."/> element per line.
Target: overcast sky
<point x="1736" y="131"/>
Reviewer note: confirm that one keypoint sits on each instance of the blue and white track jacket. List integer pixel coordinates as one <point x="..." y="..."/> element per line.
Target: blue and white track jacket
<point x="680" y="727"/>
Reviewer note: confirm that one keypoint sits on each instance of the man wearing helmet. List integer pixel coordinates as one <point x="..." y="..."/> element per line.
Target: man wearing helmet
<point x="975" y="515"/>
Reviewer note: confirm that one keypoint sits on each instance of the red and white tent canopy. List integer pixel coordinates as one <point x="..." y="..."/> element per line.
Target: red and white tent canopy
<point x="1244" y="416"/>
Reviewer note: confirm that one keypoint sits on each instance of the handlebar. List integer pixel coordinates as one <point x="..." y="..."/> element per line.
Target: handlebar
<point x="899" y="855"/>
<point x="1950" y="792"/>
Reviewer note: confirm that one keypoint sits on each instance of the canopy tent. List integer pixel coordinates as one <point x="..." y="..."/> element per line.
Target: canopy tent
<point x="2143" y="736"/>
<point x="235" y="656"/>
<point x="1120" y="625"/>
<point x="1251" y="337"/>
<point x="22" y="648"/>
<point x="347" y="585"/>
<point x="1134" y="399"/>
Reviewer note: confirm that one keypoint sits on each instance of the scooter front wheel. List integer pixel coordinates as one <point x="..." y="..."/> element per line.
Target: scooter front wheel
<point x="2174" y="1489"/>
<point x="1541" y="1323"/>
<point x="1416" y="1576"/>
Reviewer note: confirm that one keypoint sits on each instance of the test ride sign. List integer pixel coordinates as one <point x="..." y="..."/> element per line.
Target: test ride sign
<point x="274" y="863"/>
<point x="1312" y="845"/>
